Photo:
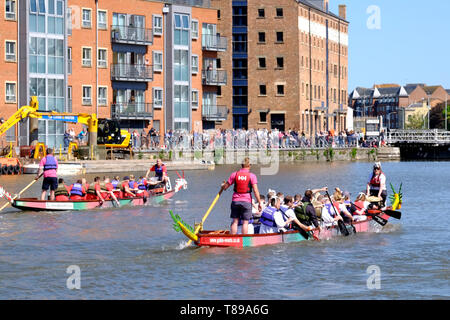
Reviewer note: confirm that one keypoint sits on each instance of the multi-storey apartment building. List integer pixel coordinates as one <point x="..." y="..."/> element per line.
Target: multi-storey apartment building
<point x="287" y="64"/>
<point x="148" y="63"/>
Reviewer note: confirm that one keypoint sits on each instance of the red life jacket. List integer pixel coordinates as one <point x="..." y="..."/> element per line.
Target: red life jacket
<point x="375" y="181"/>
<point x="242" y="182"/>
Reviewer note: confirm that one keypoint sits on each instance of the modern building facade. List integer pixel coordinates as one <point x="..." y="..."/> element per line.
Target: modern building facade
<point x="390" y="100"/>
<point x="147" y="63"/>
<point x="287" y="64"/>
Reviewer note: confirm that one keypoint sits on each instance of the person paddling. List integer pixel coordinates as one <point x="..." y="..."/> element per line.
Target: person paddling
<point x="48" y="165"/>
<point x="62" y="191"/>
<point x="94" y="191"/>
<point x="109" y="193"/>
<point x="376" y="186"/>
<point x="77" y="191"/>
<point x="125" y="191"/>
<point x="245" y="183"/>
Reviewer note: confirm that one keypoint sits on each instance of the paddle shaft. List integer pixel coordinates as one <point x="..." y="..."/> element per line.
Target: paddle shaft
<point x="340" y="222"/>
<point x="206" y="215"/>
<point x="22" y="191"/>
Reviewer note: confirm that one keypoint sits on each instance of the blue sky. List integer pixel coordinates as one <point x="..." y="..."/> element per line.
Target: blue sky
<point x="412" y="44"/>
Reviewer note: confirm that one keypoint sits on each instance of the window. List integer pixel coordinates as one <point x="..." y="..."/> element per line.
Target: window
<point x="194" y="99"/>
<point x="157" y="97"/>
<point x="279" y="12"/>
<point x="55" y="56"/>
<point x="102" y="20"/>
<point x="262" y="116"/>
<point x="261" y="13"/>
<point x="218" y="14"/>
<point x="10" y="51"/>
<point x="10" y="9"/>
<point x="102" y="96"/>
<point x="262" y="90"/>
<point x="218" y="63"/>
<point x="157" y="61"/>
<point x="279" y="36"/>
<point x="182" y="28"/>
<point x="262" y="63"/>
<point x="280" y="62"/>
<point x="69" y="21"/>
<point x="87" y="96"/>
<point x="261" y="37"/>
<point x="157" y="25"/>
<point x="86" y="61"/>
<point x="86" y="18"/>
<point x="69" y="60"/>
<point x="10" y="95"/>
<point x="194" y="67"/>
<point x="37" y="55"/>
<point x="280" y="89"/>
<point x="102" y="59"/>
<point x="194" y="29"/>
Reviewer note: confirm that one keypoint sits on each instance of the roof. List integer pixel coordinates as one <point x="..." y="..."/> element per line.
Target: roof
<point x="430" y="89"/>
<point x="411" y="87"/>
<point x="316" y="4"/>
<point x="448" y="91"/>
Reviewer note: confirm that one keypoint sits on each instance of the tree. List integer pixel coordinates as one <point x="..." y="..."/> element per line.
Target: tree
<point x="416" y="121"/>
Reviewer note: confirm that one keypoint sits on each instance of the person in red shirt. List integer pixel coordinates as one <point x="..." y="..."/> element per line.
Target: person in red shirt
<point x="94" y="191"/>
<point x="62" y="192"/>
<point x="108" y="193"/>
<point x="160" y="171"/>
<point x="125" y="191"/>
<point x="77" y="191"/>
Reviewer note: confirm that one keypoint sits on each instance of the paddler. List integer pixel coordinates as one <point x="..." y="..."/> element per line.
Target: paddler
<point x="160" y="172"/>
<point x="62" y="192"/>
<point x="115" y="181"/>
<point x="376" y="186"/>
<point x="94" y="191"/>
<point x="48" y="165"/>
<point x="77" y="191"/>
<point x="245" y="183"/>
<point x="108" y="191"/>
<point x="287" y="210"/>
<point x="125" y="191"/>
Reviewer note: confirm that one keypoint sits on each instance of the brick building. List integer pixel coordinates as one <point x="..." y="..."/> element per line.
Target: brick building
<point x="148" y="63"/>
<point x="287" y="64"/>
<point x="390" y="100"/>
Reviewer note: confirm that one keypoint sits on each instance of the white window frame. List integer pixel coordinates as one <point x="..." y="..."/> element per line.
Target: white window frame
<point x="157" y="30"/>
<point x="102" y="25"/>
<point x="86" y="23"/>
<point x="86" y="62"/>
<point x="194" y="68"/>
<point x="8" y="56"/>
<point x="14" y="97"/>
<point x="156" y="67"/>
<point x="104" y="62"/>
<point x="11" y="15"/>
<point x="194" y="103"/>
<point x="102" y="102"/>
<point x="158" y="105"/>
<point x="194" y="31"/>
<point x="86" y="101"/>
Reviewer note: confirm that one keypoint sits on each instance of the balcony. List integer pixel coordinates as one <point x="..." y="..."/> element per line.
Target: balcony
<point x="132" y="111"/>
<point x="131" y="35"/>
<point x="214" y="77"/>
<point x="131" y="72"/>
<point x="214" y="43"/>
<point x="214" y="113"/>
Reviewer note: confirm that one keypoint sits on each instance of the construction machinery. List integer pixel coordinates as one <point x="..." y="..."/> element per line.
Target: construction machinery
<point x="102" y="132"/>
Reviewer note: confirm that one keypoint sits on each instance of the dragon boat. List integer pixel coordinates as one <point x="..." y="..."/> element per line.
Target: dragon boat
<point x="374" y="222"/>
<point x="156" y="196"/>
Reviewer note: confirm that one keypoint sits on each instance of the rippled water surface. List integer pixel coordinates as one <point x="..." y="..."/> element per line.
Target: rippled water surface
<point x="134" y="253"/>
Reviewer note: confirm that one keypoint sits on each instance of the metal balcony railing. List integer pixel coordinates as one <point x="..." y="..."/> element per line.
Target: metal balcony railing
<point x="214" y="42"/>
<point x="214" y="113"/>
<point x="214" y="77"/>
<point x="127" y="34"/>
<point x="131" y="72"/>
<point x="132" y="110"/>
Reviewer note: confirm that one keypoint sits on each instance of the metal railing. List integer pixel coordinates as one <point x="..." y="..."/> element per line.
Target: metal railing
<point x="214" y="113"/>
<point x="128" y="34"/>
<point x="214" y="42"/>
<point x="214" y="77"/>
<point x="131" y="72"/>
<point x="434" y="136"/>
<point x="132" y="110"/>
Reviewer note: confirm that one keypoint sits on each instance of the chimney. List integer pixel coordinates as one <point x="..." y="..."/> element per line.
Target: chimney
<point x="325" y="5"/>
<point x="343" y="11"/>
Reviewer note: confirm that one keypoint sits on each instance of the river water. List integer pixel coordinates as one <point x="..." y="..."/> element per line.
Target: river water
<point x="135" y="254"/>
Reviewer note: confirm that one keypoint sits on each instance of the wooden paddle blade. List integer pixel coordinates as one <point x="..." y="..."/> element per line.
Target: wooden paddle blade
<point x="394" y="214"/>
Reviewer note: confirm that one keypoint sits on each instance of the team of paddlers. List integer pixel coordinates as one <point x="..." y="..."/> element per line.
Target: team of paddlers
<point x="307" y="212"/>
<point x="100" y="189"/>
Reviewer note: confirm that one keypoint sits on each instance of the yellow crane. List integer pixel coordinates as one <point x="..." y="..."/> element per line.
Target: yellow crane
<point x="105" y="132"/>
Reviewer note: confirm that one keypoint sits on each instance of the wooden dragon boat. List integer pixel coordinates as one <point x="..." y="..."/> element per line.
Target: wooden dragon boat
<point x="34" y="204"/>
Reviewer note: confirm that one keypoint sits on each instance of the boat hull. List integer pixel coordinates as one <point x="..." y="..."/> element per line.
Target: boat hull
<point x="225" y="239"/>
<point x="81" y="205"/>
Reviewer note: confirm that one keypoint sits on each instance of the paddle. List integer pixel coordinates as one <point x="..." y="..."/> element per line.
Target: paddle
<point x="381" y="221"/>
<point x="394" y="214"/>
<point x="22" y="191"/>
<point x="341" y="224"/>
<point x="206" y="215"/>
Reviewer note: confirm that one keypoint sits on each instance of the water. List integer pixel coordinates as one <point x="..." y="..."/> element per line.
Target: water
<point x="135" y="254"/>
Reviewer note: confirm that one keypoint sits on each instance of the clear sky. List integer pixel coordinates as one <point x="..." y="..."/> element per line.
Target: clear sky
<point x="408" y="42"/>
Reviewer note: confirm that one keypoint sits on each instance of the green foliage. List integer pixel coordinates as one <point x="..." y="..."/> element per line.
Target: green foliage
<point x="353" y="153"/>
<point x="329" y="154"/>
<point x="416" y="121"/>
